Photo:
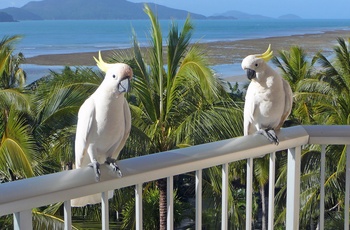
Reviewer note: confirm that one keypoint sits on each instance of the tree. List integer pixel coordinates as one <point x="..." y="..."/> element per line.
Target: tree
<point x="9" y="63"/>
<point x="17" y="146"/>
<point x="297" y="69"/>
<point x="335" y="81"/>
<point x="178" y="103"/>
<point x="334" y="109"/>
<point x="327" y="94"/>
<point x="58" y="98"/>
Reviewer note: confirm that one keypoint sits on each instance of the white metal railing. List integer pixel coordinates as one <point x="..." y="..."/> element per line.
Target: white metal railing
<point x="21" y="196"/>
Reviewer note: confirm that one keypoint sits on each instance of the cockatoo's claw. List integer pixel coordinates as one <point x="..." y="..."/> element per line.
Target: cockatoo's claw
<point x="119" y="172"/>
<point x="96" y="166"/>
<point x="114" y="166"/>
<point x="270" y="135"/>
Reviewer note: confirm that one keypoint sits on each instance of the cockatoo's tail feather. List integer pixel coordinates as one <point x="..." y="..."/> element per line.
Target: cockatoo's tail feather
<point x="267" y="55"/>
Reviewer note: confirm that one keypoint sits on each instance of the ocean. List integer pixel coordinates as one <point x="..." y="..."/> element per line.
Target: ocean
<point x="73" y="36"/>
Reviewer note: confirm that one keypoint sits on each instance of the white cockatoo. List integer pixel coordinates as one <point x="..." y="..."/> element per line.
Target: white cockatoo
<point x="269" y="98"/>
<point x="104" y="124"/>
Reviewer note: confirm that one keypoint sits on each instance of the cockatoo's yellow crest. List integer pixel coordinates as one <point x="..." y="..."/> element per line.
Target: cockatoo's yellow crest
<point x="103" y="66"/>
<point x="267" y="55"/>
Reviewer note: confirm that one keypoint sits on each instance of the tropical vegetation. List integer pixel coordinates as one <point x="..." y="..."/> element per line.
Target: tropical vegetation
<point x="176" y="102"/>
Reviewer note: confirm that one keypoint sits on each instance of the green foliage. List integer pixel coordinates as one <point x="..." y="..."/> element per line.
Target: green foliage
<point x="11" y="76"/>
<point x="58" y="98"/>
<point x="42" y="221"/>
<point x="151" y="210"/>
<point x="321" y="97"/>
<point x="17" y="146"/>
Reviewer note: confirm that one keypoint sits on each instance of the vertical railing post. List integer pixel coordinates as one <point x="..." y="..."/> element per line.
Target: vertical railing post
<point x="293" y="188"/>
<point x="67" y="215"/>
<point x="322" y="180"/>
<point x="271" y="212"/>
<point x="224" y="201"/>
<point x="138" y="206"/>
<point x="347" y="189"/>
<point x="199" y="199"/>
<point x="170" y="203"/>
<point x="105" y="210"/>
<point x="22" y="220"/>
<point x="249" y="194"/>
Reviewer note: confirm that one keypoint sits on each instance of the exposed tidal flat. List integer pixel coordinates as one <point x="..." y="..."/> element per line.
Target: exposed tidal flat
<point x="224" y="56"/>
<point x="52" y="44"/>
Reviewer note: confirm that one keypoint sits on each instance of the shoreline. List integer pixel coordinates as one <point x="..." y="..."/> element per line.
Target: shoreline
<point x="218" y="52"/>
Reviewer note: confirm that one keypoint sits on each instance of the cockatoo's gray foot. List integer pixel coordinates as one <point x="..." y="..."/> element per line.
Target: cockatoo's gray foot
<point x="270" y="135"/>
<point x="112" y="163"/>
<point x="96" y="166"/>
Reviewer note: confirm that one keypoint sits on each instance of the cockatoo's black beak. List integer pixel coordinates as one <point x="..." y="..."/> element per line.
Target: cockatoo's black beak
<point x="251" y="74"/>
<point x="124" y="85"/>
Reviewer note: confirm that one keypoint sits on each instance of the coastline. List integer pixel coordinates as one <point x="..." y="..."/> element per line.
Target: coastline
<point x="219" y="52"/>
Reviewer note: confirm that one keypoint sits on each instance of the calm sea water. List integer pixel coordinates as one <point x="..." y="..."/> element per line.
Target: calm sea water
<point x="55" y="37"/>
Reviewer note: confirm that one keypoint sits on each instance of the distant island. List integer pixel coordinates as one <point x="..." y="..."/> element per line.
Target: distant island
<point x="242" y="15"/>
<point x="5" y="17"/>
<point x="108" y="10"/>
<point x="289" y="16"/>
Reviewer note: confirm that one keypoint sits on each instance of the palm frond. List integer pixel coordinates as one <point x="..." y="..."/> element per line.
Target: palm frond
<point x="46" y="221"/>
<point x="17" y="147"/>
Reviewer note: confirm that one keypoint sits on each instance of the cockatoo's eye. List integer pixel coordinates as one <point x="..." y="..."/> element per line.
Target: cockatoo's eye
<point x="256" y="64"/>
<point x="113" y="76"/>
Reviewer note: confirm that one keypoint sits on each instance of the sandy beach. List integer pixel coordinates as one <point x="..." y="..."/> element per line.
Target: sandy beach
<point x="218" y="53"/>
<point x="225" y="52"/>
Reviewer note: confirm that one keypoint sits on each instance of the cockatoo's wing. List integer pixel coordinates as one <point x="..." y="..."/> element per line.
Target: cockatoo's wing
<point x="127" y="117"/>
<point x="86" y="116"/>
<point x="117" y="147"/>
<point x="287" y="104"/>
<point x="249" y="108"/>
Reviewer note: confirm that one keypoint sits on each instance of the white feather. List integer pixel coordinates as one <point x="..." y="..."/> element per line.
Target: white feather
<point x="268" y="100"/>
<point x="104" y="124"/>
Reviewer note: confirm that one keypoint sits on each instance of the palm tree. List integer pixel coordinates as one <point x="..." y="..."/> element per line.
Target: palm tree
<point x="335" y="78"/>
<point x="328" y="92"/>
<point x="17" y="145"/>
<point x="58" y="98"/>
<point x="296" y="68"/>
<point x="335" y="110"/>
<point x="178" y="103"/>
<point x="11" y="75"/>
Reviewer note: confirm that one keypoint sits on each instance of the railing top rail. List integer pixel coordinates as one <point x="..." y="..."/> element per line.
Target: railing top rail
<point x="328" y="134"/>
<point x="43" y="190"/>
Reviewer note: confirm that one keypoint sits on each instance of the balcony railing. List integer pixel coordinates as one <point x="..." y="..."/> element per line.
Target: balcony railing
<point x="19" y="197"/>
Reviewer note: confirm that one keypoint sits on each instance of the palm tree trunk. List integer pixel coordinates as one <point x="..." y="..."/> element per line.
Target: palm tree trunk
<point x="263" y="208"/>
<point x="162" y="186"/>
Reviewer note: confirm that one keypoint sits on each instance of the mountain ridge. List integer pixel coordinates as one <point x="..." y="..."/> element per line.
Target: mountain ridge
<point x="92" y="9"/>
<point x="113" y="10"/>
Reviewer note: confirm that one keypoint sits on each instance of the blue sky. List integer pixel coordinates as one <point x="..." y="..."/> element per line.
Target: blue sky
<point x="326" y="9"/>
